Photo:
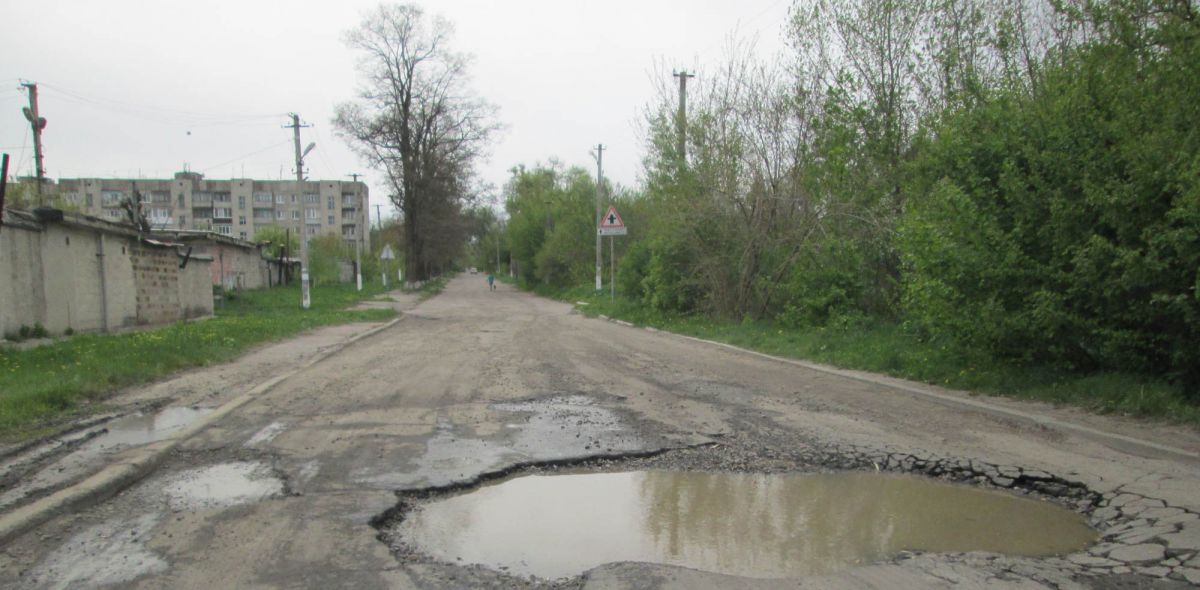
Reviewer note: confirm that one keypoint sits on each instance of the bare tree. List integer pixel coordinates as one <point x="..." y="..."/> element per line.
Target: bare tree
<point x="416" y="120"/>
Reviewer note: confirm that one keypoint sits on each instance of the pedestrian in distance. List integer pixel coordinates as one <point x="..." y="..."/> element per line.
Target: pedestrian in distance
<point x="491" y="282"/>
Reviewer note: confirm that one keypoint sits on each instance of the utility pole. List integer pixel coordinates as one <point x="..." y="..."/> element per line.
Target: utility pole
<point x="378" y="221"/>
<point x="681" y="118"/>
<point x="599" y="153"/>
<point x="37" y="123"/>
<point x="305" y="295"/>
<point x="359" y="228"/>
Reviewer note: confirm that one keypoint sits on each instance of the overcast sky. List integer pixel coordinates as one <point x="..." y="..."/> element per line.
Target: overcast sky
<point x="132" y="88"/>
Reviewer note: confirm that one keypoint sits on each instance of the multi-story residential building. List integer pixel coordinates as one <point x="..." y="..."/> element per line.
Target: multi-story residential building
<point x="235" y="208"/>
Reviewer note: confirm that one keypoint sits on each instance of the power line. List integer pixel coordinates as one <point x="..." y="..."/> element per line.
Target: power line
<point x="243" y="157"/>
<point x="157" y="113"/>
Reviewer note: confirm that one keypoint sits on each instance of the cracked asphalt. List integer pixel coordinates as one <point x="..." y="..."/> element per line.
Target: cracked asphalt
<point x="301" y="486"/>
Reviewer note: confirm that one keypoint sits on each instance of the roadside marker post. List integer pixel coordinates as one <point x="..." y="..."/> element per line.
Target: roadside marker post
<point x="386" y="255"/>
<point x="612" y="225"/>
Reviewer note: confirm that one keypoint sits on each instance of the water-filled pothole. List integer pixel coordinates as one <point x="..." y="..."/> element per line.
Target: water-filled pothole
<point x="753" y="525"/>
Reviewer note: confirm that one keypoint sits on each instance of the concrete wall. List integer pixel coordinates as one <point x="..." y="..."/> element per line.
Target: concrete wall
<point x="195" y="288"/>
<point x="90" y="276"/>
<point x="20" y="269"/>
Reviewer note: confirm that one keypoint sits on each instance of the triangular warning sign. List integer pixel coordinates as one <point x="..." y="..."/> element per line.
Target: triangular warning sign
<point x="611" y="219"/>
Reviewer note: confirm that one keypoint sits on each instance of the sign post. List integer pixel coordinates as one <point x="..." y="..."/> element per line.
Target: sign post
<point x="611" y="225"/>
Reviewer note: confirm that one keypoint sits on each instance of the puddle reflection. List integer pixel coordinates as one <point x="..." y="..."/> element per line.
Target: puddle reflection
<point x="744" y="524"/>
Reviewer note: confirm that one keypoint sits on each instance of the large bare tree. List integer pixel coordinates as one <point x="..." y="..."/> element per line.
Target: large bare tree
<point x="416" y="120"/>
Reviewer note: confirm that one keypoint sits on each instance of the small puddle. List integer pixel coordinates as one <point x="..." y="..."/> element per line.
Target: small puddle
<point x="220" y="486"/>
<point x="754" y="525"/>
<point x="122" y="433"/>
<point x="140" y="429"/>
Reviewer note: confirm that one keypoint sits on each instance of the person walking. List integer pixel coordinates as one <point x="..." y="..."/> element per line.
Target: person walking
<point x="491" y="281"/>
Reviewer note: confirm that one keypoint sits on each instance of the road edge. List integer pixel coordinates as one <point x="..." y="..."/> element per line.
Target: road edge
<point x="116" y="477"/>
<point x="1113" y="440"/>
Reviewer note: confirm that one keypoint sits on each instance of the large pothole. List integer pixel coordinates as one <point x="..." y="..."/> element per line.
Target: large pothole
<point x="754" y="525"/>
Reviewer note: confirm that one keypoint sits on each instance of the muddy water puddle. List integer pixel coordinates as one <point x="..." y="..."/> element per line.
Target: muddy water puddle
<point x="119" y="434"/>
<point x="751" y="525"/>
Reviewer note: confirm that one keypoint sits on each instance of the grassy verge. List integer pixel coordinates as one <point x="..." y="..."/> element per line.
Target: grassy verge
<point x="430" y="288"/>
<point x="888" y="349"/>
<point x="51" y="381"/>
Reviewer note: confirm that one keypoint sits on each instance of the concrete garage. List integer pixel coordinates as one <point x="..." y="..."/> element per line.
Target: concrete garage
<point x="66" y="271"/>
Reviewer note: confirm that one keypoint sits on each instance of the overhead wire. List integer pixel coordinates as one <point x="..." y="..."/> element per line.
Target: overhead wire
<point x="158" y="113"/>
<point x="245" y="156"/>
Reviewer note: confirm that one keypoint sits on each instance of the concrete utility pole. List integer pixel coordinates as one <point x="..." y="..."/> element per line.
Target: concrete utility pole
<point x="681" y="118"/>
<point x="599" y="153"/>
<point x="37" y="123"/>
<point x="378" y="221"/>
<point x="359" y="228"/>
<point x="305" y="295"/>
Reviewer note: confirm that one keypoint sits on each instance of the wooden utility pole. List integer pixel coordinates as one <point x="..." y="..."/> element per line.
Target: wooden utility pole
<point x="305" y="295"/>
<point x="37" y="123"/>
<point x="596" y="228"/>
<point x="681" y="118"/>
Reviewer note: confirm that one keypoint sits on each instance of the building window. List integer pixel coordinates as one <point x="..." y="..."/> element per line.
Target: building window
<point x="243" y="235"/>
<point x="242" y="220"/>
<point x="182" y="220"/>
<point x="280" y="214"/>
<point x="295" y="215"/>
<point x="330" y="202"/>
<point x="312" y="199"/>
<point x="262" y="197"/>
<point x="180" y="200"/>
<point x="223" y="213"/>
<point x="312" y="214"/>
<point x="313" y="229"/>
<point x="241" y="202"/>
<point x="293" y="198"/>
<point x="224" y="230"/>
<point x="90" y="199"/>
<point x="330" y="220"/>
<point x="111" y="198"/>
<point x="280" y="199"/>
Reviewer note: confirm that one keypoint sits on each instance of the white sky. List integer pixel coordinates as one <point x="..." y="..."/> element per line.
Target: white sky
<point x="123" y="82"/>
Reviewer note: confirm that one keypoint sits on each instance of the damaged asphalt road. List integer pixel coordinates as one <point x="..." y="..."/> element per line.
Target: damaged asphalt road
<point x="303" y="485"/>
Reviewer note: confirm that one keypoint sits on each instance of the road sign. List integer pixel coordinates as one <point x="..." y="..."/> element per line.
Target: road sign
<point x="612" y="231"/>
<point x="386" y="254"/>
<point x="611" y="220"/>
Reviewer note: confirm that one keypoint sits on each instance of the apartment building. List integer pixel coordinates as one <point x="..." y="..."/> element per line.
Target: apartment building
<point x="235" y="208"/>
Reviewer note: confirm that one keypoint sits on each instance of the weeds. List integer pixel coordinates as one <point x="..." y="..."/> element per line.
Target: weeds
<point x="887" y="348"/>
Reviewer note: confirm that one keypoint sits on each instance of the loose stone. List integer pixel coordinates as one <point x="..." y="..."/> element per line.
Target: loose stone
<point x="1091" y="561"/>
<point x="1144" y="553"/>
<point x="1143" y="534"/>
<point x="1192" y="575"/>
<point x="1157" y="572"/>
<point x="1187" y="539"/>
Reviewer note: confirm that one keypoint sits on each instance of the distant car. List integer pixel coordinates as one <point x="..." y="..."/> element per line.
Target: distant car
<point x="473" y="270"/>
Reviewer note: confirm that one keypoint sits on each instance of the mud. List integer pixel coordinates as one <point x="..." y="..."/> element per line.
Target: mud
<point x="85" y="450"/>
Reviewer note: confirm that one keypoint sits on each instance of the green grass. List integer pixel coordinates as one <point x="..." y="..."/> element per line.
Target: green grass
<point x="430" y="288"/>
<point x="886" y="348"/>
<point x="48" y="382"/>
